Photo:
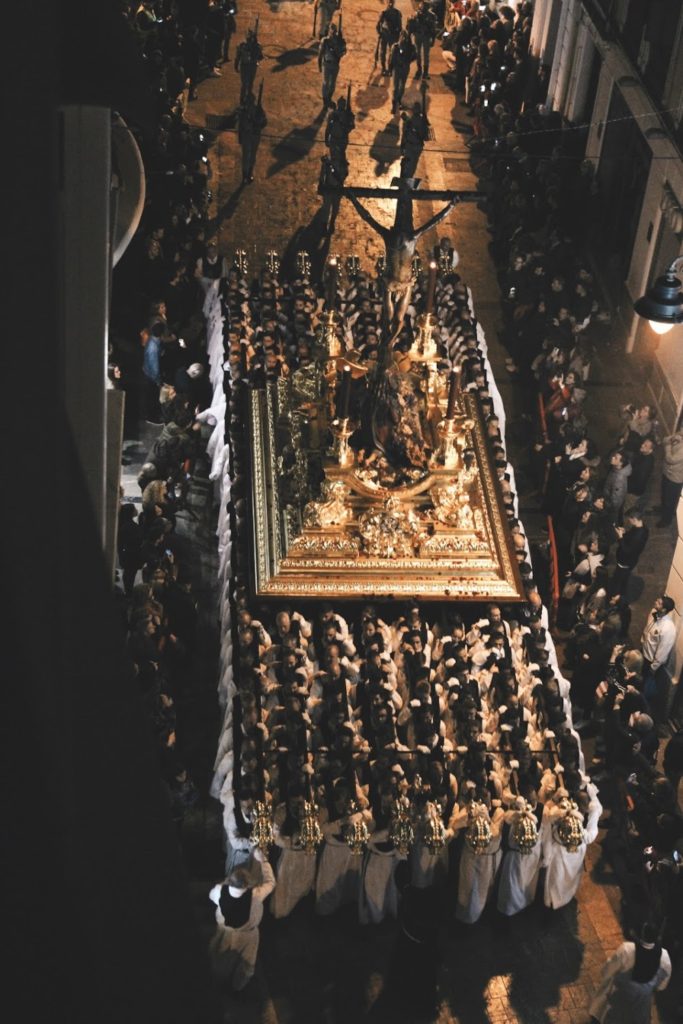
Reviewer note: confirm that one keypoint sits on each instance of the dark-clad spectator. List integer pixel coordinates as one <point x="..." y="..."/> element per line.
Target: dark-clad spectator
<point x="642" y="467"/>
<point x="129" y="544"/>
<point x="673" y="759"/>
<point x="632" y="540"/>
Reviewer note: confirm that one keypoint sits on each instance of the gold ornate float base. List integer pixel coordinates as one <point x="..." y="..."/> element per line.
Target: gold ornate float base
<point x="441" y="536"/>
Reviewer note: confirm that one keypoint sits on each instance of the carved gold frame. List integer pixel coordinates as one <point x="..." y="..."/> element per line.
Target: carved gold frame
<point x="331" y="560"/>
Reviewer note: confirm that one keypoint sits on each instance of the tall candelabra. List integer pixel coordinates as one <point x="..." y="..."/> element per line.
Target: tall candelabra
<point x="310" y="833"/>
<point x="303" y="263"/>
<point x="262" y="827"/>
<point x="272" y="262"/>
<point x="242" y="262"/>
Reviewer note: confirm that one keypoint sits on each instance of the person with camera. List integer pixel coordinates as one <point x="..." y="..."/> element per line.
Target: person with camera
<point x="616" y="482"/>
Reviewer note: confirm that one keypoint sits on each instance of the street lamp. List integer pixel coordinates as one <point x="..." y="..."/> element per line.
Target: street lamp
<point x="662" y="304"/>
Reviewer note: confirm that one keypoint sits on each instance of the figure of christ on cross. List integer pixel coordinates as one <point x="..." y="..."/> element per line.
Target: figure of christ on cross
<point x="400" y="241"/>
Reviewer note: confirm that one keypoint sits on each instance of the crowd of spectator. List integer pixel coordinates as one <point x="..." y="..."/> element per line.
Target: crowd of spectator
<point x="158" y="356"/>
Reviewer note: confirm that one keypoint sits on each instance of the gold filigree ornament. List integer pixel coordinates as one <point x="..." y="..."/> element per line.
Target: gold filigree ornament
<point x="569" y="828"/>
<point x="303" y="263"/>
<point x="262" y="827"/>
<point x="310" y="833"/>
<point x="242" y="262"/>
<point x="478" y="831"/>
<point x="393" y="531"/>
<point x="524" y="830"/>
<point x="452" y="505"/>
<point x="273" y="262"/>
<point x="330" y="509"/>
<point x="433" y="831"/>
<point x="356" y="834"/>
<point x="401" y="831"/>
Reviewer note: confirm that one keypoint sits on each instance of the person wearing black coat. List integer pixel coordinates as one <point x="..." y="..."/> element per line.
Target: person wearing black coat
<point x="632" y="540"/>
<point x="129" y="544"/>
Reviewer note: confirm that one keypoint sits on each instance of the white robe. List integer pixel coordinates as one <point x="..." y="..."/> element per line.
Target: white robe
<point x="295" y="876"/>
<point x="619" y="999"/>
<point x="478" y="873"/>
<point x="378" y="896"/>
<point x="564" y="869"/>
<point x="233" y="950"/>
<point x="518" y="877"/>
<point x="339" y="872"/>
<point x="427" y="869"/>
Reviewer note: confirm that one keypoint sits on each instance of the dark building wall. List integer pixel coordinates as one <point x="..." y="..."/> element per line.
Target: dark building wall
<point x="96" y="915"/>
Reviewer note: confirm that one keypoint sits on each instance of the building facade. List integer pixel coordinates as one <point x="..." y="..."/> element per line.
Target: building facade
<point x="616" y="66"/>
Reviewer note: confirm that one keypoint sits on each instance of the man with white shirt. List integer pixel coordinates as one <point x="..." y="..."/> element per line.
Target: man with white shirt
<point x="657" y="643"/>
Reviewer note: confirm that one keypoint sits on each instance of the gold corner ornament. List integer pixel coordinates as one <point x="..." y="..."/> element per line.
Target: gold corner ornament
<point x="391" y="494"/>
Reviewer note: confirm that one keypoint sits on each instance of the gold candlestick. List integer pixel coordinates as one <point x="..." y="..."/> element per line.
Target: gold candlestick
<point x="331" y="285"/>
<point x="342" y="449"/>
<point x="424" y="346"/>
<point x="327" y="335"/>
<point x="431" y="287"/>
<point x="448" y="450"/>
<point x="453" y="387"/>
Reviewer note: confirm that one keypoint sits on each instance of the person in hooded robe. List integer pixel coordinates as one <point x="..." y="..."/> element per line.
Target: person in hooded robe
<point x="239" y="909"/>
<point x="296" y="866"/>
<point x="563" y="866"/>
<point x="379" y="897"/>
<point x="478" y="868"/>
<point x="521" y="866"/>
<point x="630" y="979"/>
<point x="339" y="871"/>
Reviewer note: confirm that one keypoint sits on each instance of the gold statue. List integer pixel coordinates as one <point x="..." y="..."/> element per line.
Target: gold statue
<point x="330" y="509"/>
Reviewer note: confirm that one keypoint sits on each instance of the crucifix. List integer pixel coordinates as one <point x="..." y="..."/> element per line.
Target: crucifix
<point x="401" y="239"/>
